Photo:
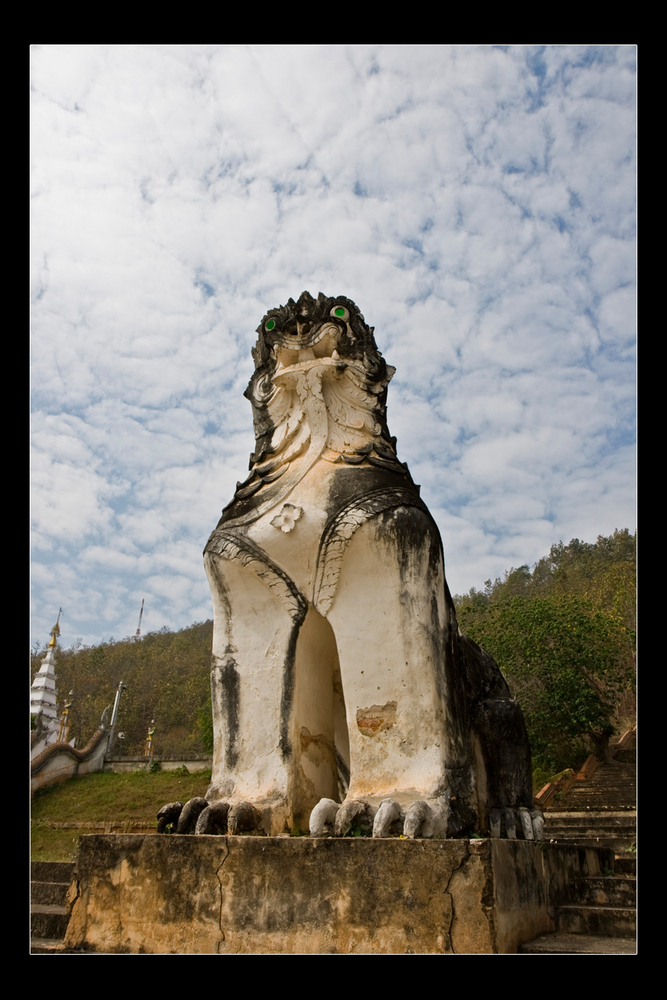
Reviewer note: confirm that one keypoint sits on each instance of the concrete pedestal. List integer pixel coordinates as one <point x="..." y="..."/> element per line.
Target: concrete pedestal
<point x="205" y="895"/>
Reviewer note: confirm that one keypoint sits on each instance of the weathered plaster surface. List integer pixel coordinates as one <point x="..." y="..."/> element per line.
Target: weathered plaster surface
<point x="281" y="895"/>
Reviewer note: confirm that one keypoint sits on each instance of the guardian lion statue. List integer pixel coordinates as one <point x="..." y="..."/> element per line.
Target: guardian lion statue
<point x="345" y="698"/>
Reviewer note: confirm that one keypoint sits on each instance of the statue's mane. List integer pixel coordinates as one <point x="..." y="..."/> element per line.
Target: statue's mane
<point x="319" y="377"/>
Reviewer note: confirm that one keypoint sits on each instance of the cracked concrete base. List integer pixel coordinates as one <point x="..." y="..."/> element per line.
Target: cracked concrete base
<point x="279" y="895"/>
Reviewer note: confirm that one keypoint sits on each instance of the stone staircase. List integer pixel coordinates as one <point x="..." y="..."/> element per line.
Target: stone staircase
<point x="600" y="806"/>
<point x="50" y="881"/>
<point x="600" y="919"/>
<point x="597" y="808"/>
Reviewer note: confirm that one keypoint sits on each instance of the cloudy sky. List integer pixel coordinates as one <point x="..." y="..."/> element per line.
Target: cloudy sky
<point x="476" y="202"/>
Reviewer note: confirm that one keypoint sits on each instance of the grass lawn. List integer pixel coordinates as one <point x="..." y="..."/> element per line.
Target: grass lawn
<point x="104" y="797"/>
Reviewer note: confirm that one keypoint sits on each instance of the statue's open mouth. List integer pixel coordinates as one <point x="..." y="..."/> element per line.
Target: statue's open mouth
<point x="307" y="343"/>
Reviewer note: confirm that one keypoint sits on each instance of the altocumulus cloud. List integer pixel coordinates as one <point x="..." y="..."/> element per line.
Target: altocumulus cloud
<point x="477" y="202"/>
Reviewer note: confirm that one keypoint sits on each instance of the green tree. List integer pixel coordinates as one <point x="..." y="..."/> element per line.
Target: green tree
<point x="567" y="664"/>
<point x="602" y="572"/>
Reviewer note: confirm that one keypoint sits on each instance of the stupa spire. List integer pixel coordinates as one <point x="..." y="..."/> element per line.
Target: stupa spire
<point x="43" y="691"/>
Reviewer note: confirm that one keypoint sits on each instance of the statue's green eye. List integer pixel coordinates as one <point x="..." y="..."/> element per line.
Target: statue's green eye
<point x="270" y="323"/>
<point x="340" y="312"/>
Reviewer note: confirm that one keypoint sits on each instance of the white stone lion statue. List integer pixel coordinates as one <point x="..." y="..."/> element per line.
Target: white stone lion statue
<point x="345" y="698"/>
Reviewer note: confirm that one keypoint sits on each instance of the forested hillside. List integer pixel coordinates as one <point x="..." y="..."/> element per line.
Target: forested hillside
<point x="563" y="634"/>
<point x="167" y="678"/>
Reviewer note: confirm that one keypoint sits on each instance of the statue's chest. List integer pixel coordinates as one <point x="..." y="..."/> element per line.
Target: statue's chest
<point x="290" y="532"/>
<point x="295" y="531"/>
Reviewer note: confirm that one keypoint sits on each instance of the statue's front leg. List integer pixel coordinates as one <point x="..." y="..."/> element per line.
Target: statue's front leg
<point x="388" y="616"/>
<point x="271" y="686"/>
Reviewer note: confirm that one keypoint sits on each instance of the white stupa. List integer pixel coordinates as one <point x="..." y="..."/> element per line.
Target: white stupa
<point x="43" y="691"/>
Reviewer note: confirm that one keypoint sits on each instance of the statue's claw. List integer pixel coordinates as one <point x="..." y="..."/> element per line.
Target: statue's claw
<point x="243" y="818"/>
<point x="526" y="823"/>
<point x="168" y="816"/>
<point x="531" y="823"/>
<point x="417" y="813"/>
<point x="426" y="819"/>
<point x="187" y="821"/>
<point x="353" y="812"/>
<point x="509" y="817"/>
<point x="389" y="812"/>
<point x="213" y="819"/>
<point x="323" y="815"/>
<point x="537" y="819"/>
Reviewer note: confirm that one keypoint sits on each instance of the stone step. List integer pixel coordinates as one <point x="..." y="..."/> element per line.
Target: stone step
<point x="578" y="944"/>
<point x="608" y="817"/>
<point x="600" y="791"/>
<point x="47" y="946"/>
<point x="50" y="881"/>
<point x="591" y="834"/>
<point x="607" y="786"/>
<point x="606" y="779"/>
<point x="48" y="921"/>
<point x="590" y="824"/>
<point x="612" y="773"/>
<point x="51" y="871"/>
<point x="590" y="803"/>
<point x="599" y="921"/>
<point x="624" y="794"/>
<point x="592" y="809"/>
<point x="590" y="806"/>
<point x="591" y="831"/>
<point x="615" y="843"/>
<point x="604" y="782"/>
<point x="49" y="893"/>
<point x="626" y="865"/>
<point x="609" y="890"/>
<point x="605" y="789"/>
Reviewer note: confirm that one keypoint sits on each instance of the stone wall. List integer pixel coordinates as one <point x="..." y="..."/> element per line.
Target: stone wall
<point x="60" y="761"/>
<point x="120" y="765"/>
<point x="279" y="895"/>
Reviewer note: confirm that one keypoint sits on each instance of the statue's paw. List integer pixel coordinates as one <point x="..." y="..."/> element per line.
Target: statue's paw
<point x="244" y="817"/>
<point x="323" y="818"/>
<point x="354" y="818"/>
<point x="213" y="819"/>
<point x="190" y="813"/>
<point x="426" y="819"/>
<point x="358" y="818"/>
<point x="168" y="816"/>
<point x="530" y="823"/>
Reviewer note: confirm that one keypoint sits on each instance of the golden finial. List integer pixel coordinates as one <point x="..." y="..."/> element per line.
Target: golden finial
<point x="55" y="631"/>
